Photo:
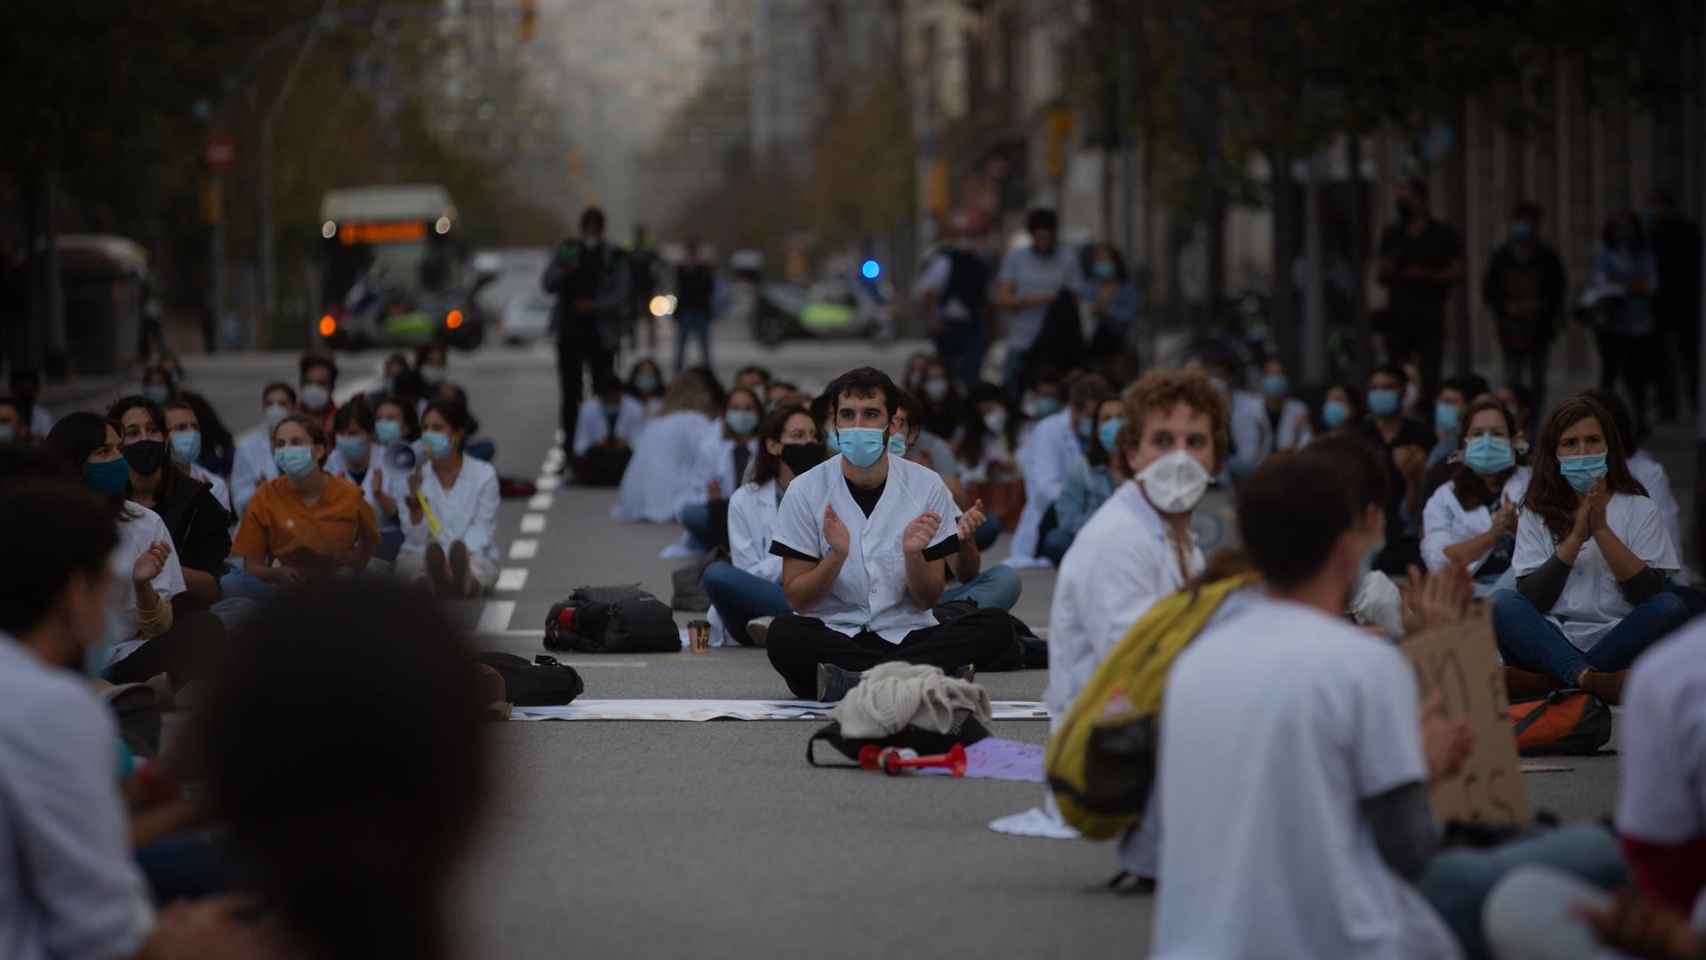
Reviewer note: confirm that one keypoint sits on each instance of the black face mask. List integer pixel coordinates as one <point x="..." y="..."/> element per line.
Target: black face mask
<point x="801" y="457"/>
<point x="145" y="456"/>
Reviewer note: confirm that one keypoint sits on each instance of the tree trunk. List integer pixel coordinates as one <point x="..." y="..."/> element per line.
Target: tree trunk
<point x="1359" y="290"/>
<point x="1282" y="306"/>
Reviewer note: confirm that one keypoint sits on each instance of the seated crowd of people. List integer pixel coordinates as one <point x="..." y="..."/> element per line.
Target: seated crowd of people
<point x="845" y="530"/>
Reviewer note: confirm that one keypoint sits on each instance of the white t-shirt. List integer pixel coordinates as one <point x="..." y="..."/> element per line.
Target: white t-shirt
<point x="752" y="519"/>
<point x="593" y="426"/>
<point x="1277" y="724"/>
<point x="142" y="530"/>
<point x="1661" y="798"/>
<point x="253" y="466"/>
<point x="1652" y="475"/>
<point x="870" y="591"/>
<point x="938" y="270"/>
<point x="659" y="478"/>
<point x="69" y="885"/>
<point x="1591" y="603"/>
<point x="1118" y="566"/>
<point x="1445" y="523"/>
<point x="1032" y="273"/>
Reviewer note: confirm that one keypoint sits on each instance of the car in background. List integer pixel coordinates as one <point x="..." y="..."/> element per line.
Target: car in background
<point x="509" y="295"/>
<point x="527" y="317"/>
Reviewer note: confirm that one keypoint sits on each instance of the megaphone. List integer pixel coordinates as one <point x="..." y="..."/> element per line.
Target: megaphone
<point x="400" y="457"/>
<point x="894" y="760"/>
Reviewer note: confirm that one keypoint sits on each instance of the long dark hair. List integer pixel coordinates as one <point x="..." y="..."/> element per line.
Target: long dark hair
<point x="1549" y="494"/>
<point x="767" y="465"/>
<point x="1472" y="490"/>
<point x="79" y="434"/>
<point x="216" y="439"/>
<point x="170" y="473"/>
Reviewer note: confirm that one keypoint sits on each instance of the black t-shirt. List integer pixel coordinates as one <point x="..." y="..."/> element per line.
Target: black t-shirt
<point x="1410" y="434"/>
<point x="866" y="498"/>
<point x="1414" y="303"/>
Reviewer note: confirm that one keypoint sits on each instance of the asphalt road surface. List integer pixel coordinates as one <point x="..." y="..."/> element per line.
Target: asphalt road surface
<point x="716" y="839"/>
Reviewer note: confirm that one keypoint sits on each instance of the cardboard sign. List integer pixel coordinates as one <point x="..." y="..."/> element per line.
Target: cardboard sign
<point x="1462" y="663"/>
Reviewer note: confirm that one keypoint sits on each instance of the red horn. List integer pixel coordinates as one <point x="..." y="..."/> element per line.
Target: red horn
<point x="893" y="761"/>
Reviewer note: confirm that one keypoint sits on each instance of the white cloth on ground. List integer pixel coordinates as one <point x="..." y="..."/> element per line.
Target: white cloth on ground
<point x="893" y="696"/>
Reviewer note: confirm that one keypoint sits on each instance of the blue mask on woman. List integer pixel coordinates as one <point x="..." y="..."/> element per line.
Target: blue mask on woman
<point x="387" y="432"/>
<point x="1109" y="433"/>
<point x="186" y="446"/>
<point x="742" y="422"/>
<point x="897" y="444"/>
<point x="1383" y="403"/>
<point x="1275" y="385"/>
<point x="1581" y="472"/>
<point x="353" y="449"/>
<point x="294" y="462"/>
<point x="1489" y="454"/>
<point x="437" y="443"/>
<point x="1446" y="416"/>
<point x="862" y="446"/>
<point x="1334" y="413"/>
<point x="110" y="479"/>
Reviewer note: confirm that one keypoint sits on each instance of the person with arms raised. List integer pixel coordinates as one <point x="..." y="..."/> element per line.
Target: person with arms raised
<point x="864" y="539"/>
<point x="1470" y="521"/>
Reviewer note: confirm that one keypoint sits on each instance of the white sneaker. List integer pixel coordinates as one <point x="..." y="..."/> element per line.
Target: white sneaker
<point x="758" y="629"/>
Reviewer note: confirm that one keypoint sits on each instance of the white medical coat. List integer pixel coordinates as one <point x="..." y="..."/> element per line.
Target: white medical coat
<point x="1046" y="456"/>
<point x="660" y="474"/>
<point x="252" y="467"/>
<point x="870" y="592"/>
<point x="592" y="427"/>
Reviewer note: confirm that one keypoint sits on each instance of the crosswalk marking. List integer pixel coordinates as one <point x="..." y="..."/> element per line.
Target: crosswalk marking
<point x="533" y="523"/>
<point x="523" y="549"/>
<point x="511" y="579"/>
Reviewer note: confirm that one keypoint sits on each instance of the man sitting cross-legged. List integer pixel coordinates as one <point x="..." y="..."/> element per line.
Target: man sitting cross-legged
<point x="864" y="537"/>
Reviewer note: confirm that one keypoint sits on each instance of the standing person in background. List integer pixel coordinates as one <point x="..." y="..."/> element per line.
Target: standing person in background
<point x="1421" y="260"/>
<point x="254" y="462"/>
<point x="1626" y="277"/>
<point x="695" y="291"/>
<point x="590" y="281"/>
<point x="1524" y="289"/>
<point x="1676" y="243"/>
<point x="642" y="285"/>
<point x="1116" y="303"/>
<point x="954" y="294"/>
<point x="1029" y="281"/>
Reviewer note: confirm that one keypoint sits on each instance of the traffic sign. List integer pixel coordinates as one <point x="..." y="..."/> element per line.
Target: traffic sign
<point x="220" y="152"/>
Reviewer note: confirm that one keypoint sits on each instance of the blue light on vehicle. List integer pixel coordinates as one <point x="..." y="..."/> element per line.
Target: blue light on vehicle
<point x="871" y="269"/>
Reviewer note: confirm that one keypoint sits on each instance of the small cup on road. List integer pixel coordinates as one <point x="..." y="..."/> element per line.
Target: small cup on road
<point x="699" y="636"/>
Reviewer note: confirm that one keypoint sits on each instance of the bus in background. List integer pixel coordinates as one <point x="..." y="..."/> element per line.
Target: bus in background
<point x="392" y="269"/>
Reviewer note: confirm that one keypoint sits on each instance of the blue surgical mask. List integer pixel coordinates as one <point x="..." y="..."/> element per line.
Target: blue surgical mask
<point x="294" y="462"/>
<point x="1581" y="472"/>
<point x="1109" y="433"/>
<point x="1489" y="454"/>
<point x="1446" y="416"/>
<point x="1334" y="413"/>
<point x="353" y="449"/>
<point x="862" y="446"/>
<point x="897" y="444"/>
<point x="157" y="393"/>
<point x="1522" y="230"/>
<point x="742" y="422"/>
<point x="110" y="479"/>
<point x="388" y="432"/>
<point x="1275" y="385"/>
<point x="437" y="443"/>
<point x="1103" y="270"/>
<point x="186" y="446"/>
<point x="833" y="443"/>
<point x="1383" y="403"/>
<point x="1045" y="406"/>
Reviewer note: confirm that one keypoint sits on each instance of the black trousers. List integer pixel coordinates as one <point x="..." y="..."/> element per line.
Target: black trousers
<point x="182" y="653"/>
<point x="1635" y="362"/>
<point x="578" y="348"/>
<point x="984" y="639"/>
<point x="1424" y="343"/>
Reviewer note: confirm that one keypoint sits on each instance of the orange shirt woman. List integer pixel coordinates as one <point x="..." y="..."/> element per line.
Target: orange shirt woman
<point x="306" y="523"/>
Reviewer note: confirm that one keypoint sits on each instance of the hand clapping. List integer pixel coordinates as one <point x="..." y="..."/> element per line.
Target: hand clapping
<point x="920" y="532"/>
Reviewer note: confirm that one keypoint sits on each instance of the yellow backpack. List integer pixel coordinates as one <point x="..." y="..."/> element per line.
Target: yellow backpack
<point x="1101" y="760"/>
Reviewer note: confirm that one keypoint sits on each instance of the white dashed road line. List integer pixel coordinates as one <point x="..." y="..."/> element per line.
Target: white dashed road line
<point x="540" y="501"/>
<point x="511" y="579"/>
<point x="523" y="549"/>
<point x="533" y="523"/>
<point x="494" y="616"/>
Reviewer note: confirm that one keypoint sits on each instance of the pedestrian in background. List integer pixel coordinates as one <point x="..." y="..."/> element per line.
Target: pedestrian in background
<point x="1524" y="288"/>
<point x="1027" y="286"/>
<point x="1421" y="259"/>
<point x="1675" y="241"/>
<point x="1625" y="278"/>
<point x="954" y="290"/>
<point x="590" y="280"/>
<point x="695" y="285"/>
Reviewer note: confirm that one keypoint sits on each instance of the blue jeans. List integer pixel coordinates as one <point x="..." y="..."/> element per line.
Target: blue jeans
<point x="239" y="584"/>
<point x="695" y="325"/>
<point x="706" y="524"/>
<point x="996" y="588"/>
<point x="1055" y="544"/>
<point x="988" y="533"/>
<point x="1529" y="641"/>
<point x="184" y="866"/>
<point x="481" y="448"/>
<point x="961" y="346"/>
<point x="741" y="597"/>
<point x="1457" y="881"/>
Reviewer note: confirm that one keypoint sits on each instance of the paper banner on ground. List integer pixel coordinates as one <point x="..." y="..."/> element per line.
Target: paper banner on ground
<point x="698" y="710"/>
<point x="1461" y="662"/>
<point x="994" y="758"/>
<point x="1035" y="822"/>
